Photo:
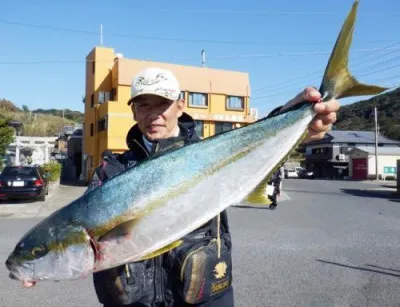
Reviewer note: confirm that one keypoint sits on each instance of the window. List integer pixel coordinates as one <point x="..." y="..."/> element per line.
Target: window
<point x="93" y="67"/>
<point x="104" y="97"/>
<point x="92" y="100"/>
<point x="321" y="151"/>
<point x="182" y="95"/>
<point x="91" y="129"/>
<point x="19" y="171"/>
<point x="198" y="100"/>
<point x="235" y="103"/>
<point x="113" y="94"/>
<point x="199" y="128"/>
<point x="222" y="127"/>
<point x="102" y="124"/>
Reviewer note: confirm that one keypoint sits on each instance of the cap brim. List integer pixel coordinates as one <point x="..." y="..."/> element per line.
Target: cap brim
<point x="130" y="101"/>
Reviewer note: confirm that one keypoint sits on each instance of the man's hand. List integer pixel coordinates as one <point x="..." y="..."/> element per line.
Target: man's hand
<point x="326" y="113"/>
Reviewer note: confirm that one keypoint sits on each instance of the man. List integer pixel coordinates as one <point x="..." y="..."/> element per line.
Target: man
<point x="162" y="124"/>
<point x="274" y="188"/>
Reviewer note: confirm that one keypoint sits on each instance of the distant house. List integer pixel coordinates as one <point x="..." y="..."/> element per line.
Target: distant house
<point x="329" y="157"/>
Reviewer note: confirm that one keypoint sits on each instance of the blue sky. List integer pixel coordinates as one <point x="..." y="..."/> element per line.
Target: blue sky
<point x="283" y="45"/>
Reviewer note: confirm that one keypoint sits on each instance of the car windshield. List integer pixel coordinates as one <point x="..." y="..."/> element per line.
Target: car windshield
<point x="19" y="171"/>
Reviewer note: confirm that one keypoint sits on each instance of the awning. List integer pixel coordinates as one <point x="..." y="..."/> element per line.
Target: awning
<point x="340" y="166"/>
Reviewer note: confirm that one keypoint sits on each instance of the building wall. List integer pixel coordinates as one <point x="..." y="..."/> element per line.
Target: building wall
<point x="382" y="162"/>
<point x="333" y="150"/>
<point x="98" y="78"/>
<point x="108" y="118"/>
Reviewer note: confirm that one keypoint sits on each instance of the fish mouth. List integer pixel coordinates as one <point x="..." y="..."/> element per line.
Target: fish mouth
<point x="17" y="270"/>
<point x="13" y="276"/>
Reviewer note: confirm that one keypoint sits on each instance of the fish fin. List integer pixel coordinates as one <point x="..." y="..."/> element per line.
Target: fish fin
<point x="122" y="230"/>
<point x="259" y="195"/>
<point x="163" y="250"/>
<point x="357" y="89"/>
<point x="337" y="81"/>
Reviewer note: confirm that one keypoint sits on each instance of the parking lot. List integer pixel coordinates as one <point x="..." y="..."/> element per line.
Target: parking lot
<point x="330" y="243"/>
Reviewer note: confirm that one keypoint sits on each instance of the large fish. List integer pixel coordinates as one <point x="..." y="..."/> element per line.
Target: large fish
<point x="146" y="210"/>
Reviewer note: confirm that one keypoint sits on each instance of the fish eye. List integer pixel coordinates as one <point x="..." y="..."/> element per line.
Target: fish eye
<point x="38" y="251"/>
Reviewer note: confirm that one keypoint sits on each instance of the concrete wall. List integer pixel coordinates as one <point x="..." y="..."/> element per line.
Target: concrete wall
<point x="40" y="147"/>
<point x="382" y="162"/>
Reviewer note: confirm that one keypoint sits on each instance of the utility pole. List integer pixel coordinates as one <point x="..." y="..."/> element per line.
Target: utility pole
<point x="376" y="143"/>
<point x="203" y="58"/>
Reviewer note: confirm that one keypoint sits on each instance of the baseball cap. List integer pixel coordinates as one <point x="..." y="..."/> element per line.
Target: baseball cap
<point x="155" y="81"/>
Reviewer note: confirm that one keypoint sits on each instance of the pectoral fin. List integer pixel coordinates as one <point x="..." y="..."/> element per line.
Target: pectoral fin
<point x="163" y="250"/>
<point x="123" y="230"/>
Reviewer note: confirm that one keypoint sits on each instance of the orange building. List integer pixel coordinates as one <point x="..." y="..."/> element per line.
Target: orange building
<point x="217" y="99"/>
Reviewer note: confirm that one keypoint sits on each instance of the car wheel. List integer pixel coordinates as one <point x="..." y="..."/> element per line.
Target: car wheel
<point x="42" y="197"/>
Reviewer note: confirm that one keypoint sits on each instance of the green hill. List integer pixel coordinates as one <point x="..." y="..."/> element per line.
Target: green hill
<point x="360" y="115"/>
<point x="40" y="122"/>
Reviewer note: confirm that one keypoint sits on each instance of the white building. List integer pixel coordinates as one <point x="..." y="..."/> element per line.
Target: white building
<point x="362" y="162"/>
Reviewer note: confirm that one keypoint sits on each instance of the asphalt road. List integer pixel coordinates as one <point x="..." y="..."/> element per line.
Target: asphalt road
<point x="330" y="244"/>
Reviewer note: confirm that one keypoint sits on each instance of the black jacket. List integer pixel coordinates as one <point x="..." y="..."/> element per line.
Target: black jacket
<point x="168" y="280"/>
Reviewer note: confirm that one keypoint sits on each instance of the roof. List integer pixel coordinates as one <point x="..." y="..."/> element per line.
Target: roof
<point x="191" y="78"/>
<point x="384" y="151"/>
<point x="14" y="123"/>
<point x="357" y="137"/>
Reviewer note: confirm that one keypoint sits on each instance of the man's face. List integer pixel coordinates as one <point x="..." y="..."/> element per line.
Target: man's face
<point x="156" y="116"/>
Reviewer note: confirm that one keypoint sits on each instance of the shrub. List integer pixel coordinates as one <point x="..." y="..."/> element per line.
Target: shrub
<point x="52" y="169"/>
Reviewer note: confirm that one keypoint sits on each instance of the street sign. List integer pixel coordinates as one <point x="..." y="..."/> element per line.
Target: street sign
<point x="389" y="170"/>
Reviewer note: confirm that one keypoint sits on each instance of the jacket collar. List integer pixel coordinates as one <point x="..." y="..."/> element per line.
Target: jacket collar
<point x="134" y="138"/>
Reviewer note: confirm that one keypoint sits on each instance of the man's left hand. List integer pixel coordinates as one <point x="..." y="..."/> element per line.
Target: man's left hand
<point x="326" y="113"/>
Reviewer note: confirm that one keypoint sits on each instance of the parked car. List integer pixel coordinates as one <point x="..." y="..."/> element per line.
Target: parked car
<point x="306" y="174"/>
<point x="23" y="182"/>
<point x="291" y="173"/>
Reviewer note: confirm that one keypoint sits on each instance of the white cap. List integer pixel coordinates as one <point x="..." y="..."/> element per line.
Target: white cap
<point x="155" y="81"/>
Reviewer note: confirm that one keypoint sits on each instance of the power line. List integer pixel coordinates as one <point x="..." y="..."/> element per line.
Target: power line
<point x="319" y="72"/>
<point x="173" y="39"/>
<point x="318" y="76"/>
<point x="360" y="75"/>
<point x="224" y="57"/>
<point x="261" y="12"/>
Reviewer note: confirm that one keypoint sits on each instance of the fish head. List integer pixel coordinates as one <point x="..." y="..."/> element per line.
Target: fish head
<point x="56" y="252"/>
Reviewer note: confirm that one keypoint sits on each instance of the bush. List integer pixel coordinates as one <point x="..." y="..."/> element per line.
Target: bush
<point x="52" y="169"/>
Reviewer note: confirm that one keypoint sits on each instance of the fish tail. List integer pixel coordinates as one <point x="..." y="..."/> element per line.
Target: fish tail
<point x="337" y="81"/>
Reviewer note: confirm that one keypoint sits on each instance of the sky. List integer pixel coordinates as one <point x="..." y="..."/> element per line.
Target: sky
<point x="284" y="46"/>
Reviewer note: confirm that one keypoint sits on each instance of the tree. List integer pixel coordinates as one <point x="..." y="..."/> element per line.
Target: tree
<point x="25" y="108"/>
<point x="6" y="137"/>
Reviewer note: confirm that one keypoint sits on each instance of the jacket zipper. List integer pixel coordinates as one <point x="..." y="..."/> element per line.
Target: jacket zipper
<point x="141" y="147"/>
<point x="158" y="283"/>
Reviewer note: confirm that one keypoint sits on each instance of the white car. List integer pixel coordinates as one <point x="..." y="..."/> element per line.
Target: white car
<point x="291" y="173"/>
